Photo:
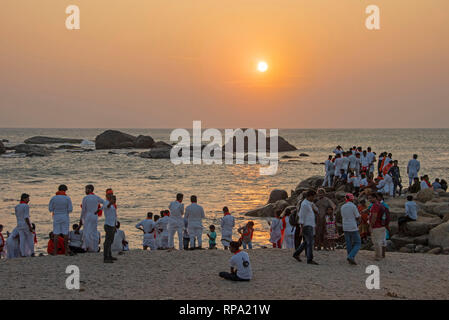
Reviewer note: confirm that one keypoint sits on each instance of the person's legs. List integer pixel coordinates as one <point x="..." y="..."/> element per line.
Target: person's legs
<point x="230" y="276"/>
<point x="244" y="245"/>
<point x="348" y="241"/>
<point x="298" y="238"/>
<point x="199" y="233"/>
<point x="109" y="238"/>
<point x="250" y="245"/>
<point x="171" y="236"/>
<point x="180" y="229"/>
<point x="377" y="235"/>
<point x="309" y="238"/>
<point x="355" y="244"/>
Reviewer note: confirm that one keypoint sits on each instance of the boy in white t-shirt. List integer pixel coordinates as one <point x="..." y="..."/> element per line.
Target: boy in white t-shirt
<point x="240" y="265"/>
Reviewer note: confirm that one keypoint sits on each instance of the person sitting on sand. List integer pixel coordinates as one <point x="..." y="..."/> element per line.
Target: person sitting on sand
<point x="227" y="224"/>
<point x="443" y="185"/>
<point x="276" y="230"/>
<point x="60" y="245"/>
<point x="246" y="235"/>
<point x="240" y="265"/>
<point x="330" y="232"/>
<point x="212" y="235"/>
<point x="147" y="226"/>
<point x="76" y="240"/>
<point x="436" y="184"/>
<point x="425" y="183"/>
<point x="411" y="214"/>
<point x="119" y="244"/>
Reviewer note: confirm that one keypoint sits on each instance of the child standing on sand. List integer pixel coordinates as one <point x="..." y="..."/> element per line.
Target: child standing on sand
<point x="212" y="235"/>
<point x="331" y="233"/>
<point x="276" y="230"/>
<point x="240" y="265"/>
<point x="246" y="233"/>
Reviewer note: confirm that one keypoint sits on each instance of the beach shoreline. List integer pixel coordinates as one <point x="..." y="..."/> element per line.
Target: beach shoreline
<point x="193" y="275"/>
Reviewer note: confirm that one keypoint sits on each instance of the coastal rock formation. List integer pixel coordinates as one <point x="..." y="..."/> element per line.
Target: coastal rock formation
<point x="425" y="195"/>
<point x="277" y="194"/>
<point x="439" y="236"/>
<point x="157" y="153"/>
<point x="51" y="140"/>
<point x="2" y="148"/>
<point x="304" y="155"/>
<point x="283" y="145"/>
<point x="310" y="183"/>
<point x="113" y="139"/>
<point x="32" y="150"/>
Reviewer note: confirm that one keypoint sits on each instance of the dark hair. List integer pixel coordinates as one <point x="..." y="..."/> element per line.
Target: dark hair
<point x="117" y="224"/>
<point x="1" y="226"/>
<point x="24" y="196"/>
<point x="63" y="187"/>
<point x="410" y="198"/>
<point x="33" y="226"/>
<point x="234" y="244"/>
<point x="149" y="214"/>
<point x="179" y="196"/>
<point x="277" y="213"/>
<point x="193" y="199"/>
<point x="379" y="196"/>
<point x="225" y="209"/>
<point x="162" y="213"/>
<point x="156" y="217"/>
<point x="310" y="193"/>
<point x="90" y="187"/>
<point x="415" y="156"/>
<point x="212" y="227"/>
<point x="75" y="226"/>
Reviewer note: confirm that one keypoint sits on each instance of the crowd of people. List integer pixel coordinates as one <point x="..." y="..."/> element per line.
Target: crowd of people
<point x="311" y="225"/>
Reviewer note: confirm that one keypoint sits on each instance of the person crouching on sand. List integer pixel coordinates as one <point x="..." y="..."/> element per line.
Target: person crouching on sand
<point x="240" y="265"/>
<point x="212" y="235"/>
<point x="147" y="226"/>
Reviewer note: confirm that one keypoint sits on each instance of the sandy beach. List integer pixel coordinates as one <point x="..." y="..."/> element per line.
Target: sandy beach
<point x="193" y="275"/>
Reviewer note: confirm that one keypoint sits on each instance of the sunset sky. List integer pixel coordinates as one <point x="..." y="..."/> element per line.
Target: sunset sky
<point x="164" y="63"/>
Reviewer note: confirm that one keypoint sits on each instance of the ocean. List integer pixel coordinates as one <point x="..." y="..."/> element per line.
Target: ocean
<point x="143" y="185"/>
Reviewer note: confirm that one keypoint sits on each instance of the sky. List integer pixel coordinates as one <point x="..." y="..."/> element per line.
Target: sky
<point x="165" y="63"/>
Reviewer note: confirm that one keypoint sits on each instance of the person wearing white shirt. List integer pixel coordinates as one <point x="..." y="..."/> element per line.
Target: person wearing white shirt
<point x="195" y="215"/>
<point x="161" y="225"/>
<point x="289" y="232"/>
<point x="76" y="240"/>
<point x="24" y="226"/>
<point x="110" y="221"/>
<point x="345" y="161"/>
<point x="89" y="219"/>
<point x="338" y="165"/>
<point x="240" y="265"/>
<point x="371" y="159"/>
<point x="350" y="217"/>
<point x="329" y="169"/>
<point x="148" y="227"/>
<point x="119" y="244"/>
<point x="411" y="214"/>
<point x="338" y="150"/>
<point x="413" y="168"/>
<point x="306" y="219"/>
<point x="61" y="206"/>
<point x="352" y="162"/>
<point x="276" y="230"/>
<point x="227" y="224"/>
<point x="176" y="221"/>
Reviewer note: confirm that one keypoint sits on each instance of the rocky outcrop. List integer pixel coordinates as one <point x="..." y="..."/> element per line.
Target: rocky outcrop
<point x="304" y="155"/>
<point x="51" y="140"/>
<point x="156" y="153"/>
<point x="439" y="236"/>
<point x="425" y="195"/>
<point x="113" y="139"/>
<point x="276" y="195"/>
<point x="2" y="148"/>
<point x="283" y="145"/>
<point x="269" y="209"/>
<point x="310" y="183"/>
<point x="32" y="150"/>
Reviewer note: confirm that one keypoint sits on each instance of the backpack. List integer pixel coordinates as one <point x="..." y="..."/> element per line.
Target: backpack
<point x="293" y="218"/>
<point x="384" y="215"/>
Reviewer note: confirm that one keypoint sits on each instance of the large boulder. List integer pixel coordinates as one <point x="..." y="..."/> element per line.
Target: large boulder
<point x="32" y="150"/>
<point x="313" y="182"/>
<point x="2" y="148"/>
<point x="156" y="153"/>
<point x="439" y="236"/>
<point x="283" y="145"/>
<point x="425" y="195"/>
<point x="420" y="227"/>
<point x="144" y="142"/>
<point x="51" y="140"/>
<point x="438" y="209"/>
<point x="401" y="241"/>
<point x="113" y="139"/>
<point x="265" y="211"/>
<point x="277" y="194"/>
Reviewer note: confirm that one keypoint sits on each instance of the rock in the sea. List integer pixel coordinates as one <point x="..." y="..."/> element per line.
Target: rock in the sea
<point x="425" y="195"/>
<point x="50" y="140"/>
<point x="439" y="236"/>
<point x="436" y="250"/>
<point x="283" y="145"/>
<point x="2" y="148"/>
<point x="32" y="150"/>
<point x="162" y="144"/>
<point x="113" y="139"/>
<point x="68" y="147"/>
<point x="303" y="155"/>
<point x="277" y="194"/>
<point x="144" y="142"/>
<point x="156" y="153"/>
<point x="265" y="211"/>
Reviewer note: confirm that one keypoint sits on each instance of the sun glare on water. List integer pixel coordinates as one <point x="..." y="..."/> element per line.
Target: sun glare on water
<point x="262" y="66"/>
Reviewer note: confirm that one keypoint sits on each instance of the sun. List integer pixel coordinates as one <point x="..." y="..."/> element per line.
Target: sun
<point x="262" y="66"/>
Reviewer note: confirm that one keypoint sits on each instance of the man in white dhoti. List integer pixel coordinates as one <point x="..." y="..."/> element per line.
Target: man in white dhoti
<point x="148" y="227"/>
<point x="227" y="224"/>
<point x="195" y="215"/>
<point x="61" y="206"/>
<point x="413" y="168"/>
<point x="338" y="165"/>
<point x="89" y="219"/>
<point x="162" y="225"/>
<point x="345" y="161"/>
<point x="371" y="159"/>
<point x="24" y="227"/>
<point x="176" y="221"/>
<point x="352" y="162"/>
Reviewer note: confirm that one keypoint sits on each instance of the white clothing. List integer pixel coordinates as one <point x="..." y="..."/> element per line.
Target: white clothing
<point x="227" y="224"/>
<point x="12" y="245"/>
<point x="413" y="168"/>
<point x="195" y="215"/>
<point x="289" y="235"/>
<point x="338" y="166"/>
<point x="22" y="212"/>
<point x="61" y="207"/>
<point x="176" y="223"/>
<point x="356" y="181"/>
<point x="117" y="244"/>
<point x="90" y="221"/>
<point x="349" y="214"/>
<point x="345" y="163"/>
<point x="364" y="182"/>
<point x="76" y="240"/>
<point x="110" y="214"/>
<point x="275" y="230"/>
<point x="352" y="161"/>
<point x="162" y="237"/>
<point x="306" y="214"/>
<point x="364" y="160"/>
<point x="424" y="185"/>
<point x="411" y="210"/>
<point x="240" y="261"/>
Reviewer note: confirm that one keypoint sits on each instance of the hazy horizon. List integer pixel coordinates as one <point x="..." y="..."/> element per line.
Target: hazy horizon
<point x="162" y="64"/>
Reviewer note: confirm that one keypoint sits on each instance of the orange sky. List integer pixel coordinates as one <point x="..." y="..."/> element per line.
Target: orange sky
<point x="164" y="63"/>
